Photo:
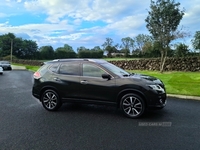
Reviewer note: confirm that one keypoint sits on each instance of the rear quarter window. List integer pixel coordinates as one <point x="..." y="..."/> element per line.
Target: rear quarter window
<point x="54" y="68"/>
<point x="43" y="69"/>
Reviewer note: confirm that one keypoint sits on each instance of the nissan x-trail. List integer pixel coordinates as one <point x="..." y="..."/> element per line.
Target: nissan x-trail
<point x="94" y="81"/>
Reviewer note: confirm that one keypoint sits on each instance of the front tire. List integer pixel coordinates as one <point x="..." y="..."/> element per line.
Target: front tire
<point x="132" y="105"/>
<point x="50" y="100"/>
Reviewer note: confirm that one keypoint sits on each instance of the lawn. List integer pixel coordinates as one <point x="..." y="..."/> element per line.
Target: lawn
<point x="182" y="83"/>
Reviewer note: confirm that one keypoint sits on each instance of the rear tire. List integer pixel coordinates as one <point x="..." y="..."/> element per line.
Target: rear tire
<point x="50" y="100"/>
<point x="132" y="105"/>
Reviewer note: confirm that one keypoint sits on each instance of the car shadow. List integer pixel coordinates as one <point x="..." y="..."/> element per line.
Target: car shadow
<point x="155" y="115"/>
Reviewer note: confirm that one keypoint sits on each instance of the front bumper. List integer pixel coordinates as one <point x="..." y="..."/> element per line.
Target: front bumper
<point x="157" y="101"/>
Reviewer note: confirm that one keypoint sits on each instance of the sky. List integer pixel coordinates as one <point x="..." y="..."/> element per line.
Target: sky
<point x="85" y="22"/>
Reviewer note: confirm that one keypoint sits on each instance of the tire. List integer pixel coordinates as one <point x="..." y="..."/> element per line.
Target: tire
<point x="50" y="100"/>
<point x="132" y="105"/>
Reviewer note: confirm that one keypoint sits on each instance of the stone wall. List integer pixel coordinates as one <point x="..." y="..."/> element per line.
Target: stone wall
<point x="27" y="62"/>
<point x="171" y="64"/>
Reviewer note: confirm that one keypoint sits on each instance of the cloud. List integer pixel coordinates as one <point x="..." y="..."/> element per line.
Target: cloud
<point x="87" y="10"/>
<point x="84" y="23"/>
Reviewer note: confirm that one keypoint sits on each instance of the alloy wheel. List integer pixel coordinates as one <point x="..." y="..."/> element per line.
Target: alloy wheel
<point x="132" y="106"/>
<point x="50" y="100"/>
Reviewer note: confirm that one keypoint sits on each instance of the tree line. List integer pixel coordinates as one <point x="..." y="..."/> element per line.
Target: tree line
<point x="141" y="46"/>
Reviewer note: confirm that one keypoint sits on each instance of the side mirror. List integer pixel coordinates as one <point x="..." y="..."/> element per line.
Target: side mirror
<point x="106" y="76"/>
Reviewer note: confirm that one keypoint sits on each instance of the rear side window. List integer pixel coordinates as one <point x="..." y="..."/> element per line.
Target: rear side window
<point x="69" y="69"/>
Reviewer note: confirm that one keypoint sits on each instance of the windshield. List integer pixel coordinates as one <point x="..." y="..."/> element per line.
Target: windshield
<point x="116" y="70"/>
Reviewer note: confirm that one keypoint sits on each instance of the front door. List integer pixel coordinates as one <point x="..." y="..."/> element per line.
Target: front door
<point x="93" y="86"/>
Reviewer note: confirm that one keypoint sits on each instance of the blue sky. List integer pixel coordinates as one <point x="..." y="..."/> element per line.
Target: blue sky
<point x="86" y="22"/>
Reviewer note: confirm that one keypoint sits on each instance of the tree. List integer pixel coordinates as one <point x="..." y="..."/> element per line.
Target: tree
<point x="181" y="50"/>
<point x="108" y="46"/>
<point x="140" y="40"/>
<point x="65" y="52"/>
<point x="46" y="52"/>
<point x="127" y="45"/>
<point x="162" y="22"/>
<point x="196" y="41"/>
<point x="96" y="52"/>
<point x="29" y="49"/>
<point x="6" y="44"/>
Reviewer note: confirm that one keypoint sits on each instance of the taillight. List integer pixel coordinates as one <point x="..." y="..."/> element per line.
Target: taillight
<point x="37" y="75"/>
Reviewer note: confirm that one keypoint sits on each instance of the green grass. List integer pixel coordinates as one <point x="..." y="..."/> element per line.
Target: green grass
<point x="28" y="67"/>
<point x="181" y="83"/>
<point x="32" y="68"/>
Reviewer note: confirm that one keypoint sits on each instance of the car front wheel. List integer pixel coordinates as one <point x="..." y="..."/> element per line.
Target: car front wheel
<point x="132" y="105"/>
<point x="50" y="100"/>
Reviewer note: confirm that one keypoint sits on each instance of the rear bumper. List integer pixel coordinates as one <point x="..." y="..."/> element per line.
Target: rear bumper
<point x="35" y="93"/>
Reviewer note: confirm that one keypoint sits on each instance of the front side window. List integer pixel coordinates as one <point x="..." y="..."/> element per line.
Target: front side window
<point x="116" y="70"/>
<point x="92" y="70"/>
<point x="69" y="69"/>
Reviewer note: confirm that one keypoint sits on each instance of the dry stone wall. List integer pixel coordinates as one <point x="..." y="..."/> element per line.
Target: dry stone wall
<point x="171" y="64"/>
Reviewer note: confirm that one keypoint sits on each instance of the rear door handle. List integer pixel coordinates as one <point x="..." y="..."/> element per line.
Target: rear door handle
<point x="84" y="82"/>
<point x="56" y="79"/>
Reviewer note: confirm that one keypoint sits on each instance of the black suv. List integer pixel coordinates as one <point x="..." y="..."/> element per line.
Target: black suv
<point x="94" y="81"/>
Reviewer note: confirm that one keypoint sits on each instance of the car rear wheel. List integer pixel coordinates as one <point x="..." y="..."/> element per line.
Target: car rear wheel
<point x="50" y="100"/>
<point x="132" y="105"/>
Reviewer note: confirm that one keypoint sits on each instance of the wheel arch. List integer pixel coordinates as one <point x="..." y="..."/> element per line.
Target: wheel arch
<point x="130" y="91"/>
<point x="48" y="88"/>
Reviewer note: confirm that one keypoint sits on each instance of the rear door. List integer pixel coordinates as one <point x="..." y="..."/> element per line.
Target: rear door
<point x="67" y="79"/>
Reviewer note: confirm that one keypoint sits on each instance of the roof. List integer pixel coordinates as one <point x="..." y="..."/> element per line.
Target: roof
<point x="70" y="60"/>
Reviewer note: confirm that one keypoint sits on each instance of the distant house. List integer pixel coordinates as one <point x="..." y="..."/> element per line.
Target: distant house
<point x="117" y="54"/>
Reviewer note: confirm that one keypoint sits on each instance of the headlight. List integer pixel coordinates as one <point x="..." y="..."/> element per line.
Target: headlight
<point x="157" y="88"/>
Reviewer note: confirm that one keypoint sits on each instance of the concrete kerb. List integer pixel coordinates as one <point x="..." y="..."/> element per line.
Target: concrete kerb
<point x="18" y="67"/>
<point x="184" y="97"/>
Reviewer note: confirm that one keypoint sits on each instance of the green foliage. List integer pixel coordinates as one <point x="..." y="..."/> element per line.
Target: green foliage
<point x="140" y="40"/>
<point x="108" y="47"/>
<point x="196" y="41"/>
<point x="127" y="45"/>
<point x="162" y="23"/>
<point x="65" y="52"/>
<point x="46" y="52"/>
<point x="163" y="20"/>
<point x="181" y="50"/>
<point x="19" y="47"/>
<point x="9" y="57"/>
<point x="96" y="52"/>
